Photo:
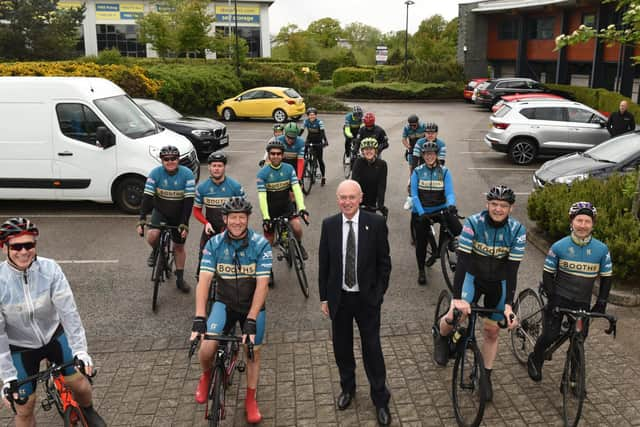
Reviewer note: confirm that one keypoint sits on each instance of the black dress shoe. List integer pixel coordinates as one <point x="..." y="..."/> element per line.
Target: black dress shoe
<point x="384" y="416"/>
<point x="344" y="400"/>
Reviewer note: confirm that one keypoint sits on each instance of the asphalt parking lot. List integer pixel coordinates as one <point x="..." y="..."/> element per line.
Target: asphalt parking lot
<point x="105" y="260"/>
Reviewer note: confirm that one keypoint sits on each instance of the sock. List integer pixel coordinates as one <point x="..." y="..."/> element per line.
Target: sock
<point x="180" y="275"/>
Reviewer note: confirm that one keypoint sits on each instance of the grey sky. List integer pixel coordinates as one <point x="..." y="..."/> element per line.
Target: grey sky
<point x="386" y="15"/>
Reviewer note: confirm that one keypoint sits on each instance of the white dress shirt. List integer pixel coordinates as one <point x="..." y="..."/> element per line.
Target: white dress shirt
<point x="345" y="236"/>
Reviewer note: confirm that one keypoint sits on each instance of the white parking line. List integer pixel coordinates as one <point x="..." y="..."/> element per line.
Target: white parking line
<point x="481" y="152"/>
<point x="503" y="169"/>
<point x="471" y="139"/>
<point x="241" y="151"/>
<point x="87" y="261"/>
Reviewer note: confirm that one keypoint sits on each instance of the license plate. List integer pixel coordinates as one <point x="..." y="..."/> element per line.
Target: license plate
<point x="224" y="141"/>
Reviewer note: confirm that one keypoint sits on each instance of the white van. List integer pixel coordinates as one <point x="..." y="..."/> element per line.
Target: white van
<point x="78" y="138"/>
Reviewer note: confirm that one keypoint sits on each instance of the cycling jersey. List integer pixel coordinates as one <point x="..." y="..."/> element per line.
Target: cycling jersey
<point x="274" y="184"/>
<point x="417" y="150"/>
<point x="212" y="196"/>
<point x="372" y="177"/>
<point x="33" y="303"/>
<point x="237" y="264"/>
<point x="351" y="125"/>
<point x="576" y="265"/>
<point x="414" y="134"/>
<point x="431" y="189"/>
<point x="315" y="131"/>
<point x="293" y="153"/>
<point x="171" y="194"/>
<point x="373" y="132"/>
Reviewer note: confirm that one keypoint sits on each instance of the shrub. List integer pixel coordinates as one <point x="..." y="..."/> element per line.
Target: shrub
<point x="599" y="99"/>
<point x="325" y="103"/>
<point x="326" y="66"/>
<point x="265" y="74"/>
<point x="615" y="225"/>
<point x="435" y="72"/>
<point x="410" y="90"/>
<point x="195" y="88"/>
<point x="343" y="76"/>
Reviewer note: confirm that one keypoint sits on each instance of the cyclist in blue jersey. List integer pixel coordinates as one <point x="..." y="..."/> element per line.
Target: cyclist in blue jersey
<point x="431" y="191"/>
<point x="241" y="260"/>
<point x="352" y="124"/>
<point x="490" y="249"/>
<point x="316" y="138"/>
<point x="571" y="267"/>
<point x="278" y="130"/>
<point x="293" y="148"/>
<point x="168" y="194"/>
<point x="211" y="195"/>
<point x="431" y="134"/>
<point x="412" y="132"/>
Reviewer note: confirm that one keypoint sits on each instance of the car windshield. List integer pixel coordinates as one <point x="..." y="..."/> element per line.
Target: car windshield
<point x="126" y="116"/>
<point x="291" y="93"/>
<point x="616" y="150"/>
<point x="161" y="111"/>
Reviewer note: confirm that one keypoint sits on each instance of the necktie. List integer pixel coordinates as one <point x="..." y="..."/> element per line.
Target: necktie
<point x="350" y="260"/>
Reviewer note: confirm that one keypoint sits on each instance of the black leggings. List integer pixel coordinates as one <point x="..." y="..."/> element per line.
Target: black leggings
<point x="318" y="150"/>
<point x="424" y="237"/>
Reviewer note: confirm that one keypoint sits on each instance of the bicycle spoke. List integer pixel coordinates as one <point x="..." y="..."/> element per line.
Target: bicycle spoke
<point x="468" y="383"/>
<point x="528" y="308"/>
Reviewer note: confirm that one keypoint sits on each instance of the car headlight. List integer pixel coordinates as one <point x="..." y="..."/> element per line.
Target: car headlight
<point x="155" y="153"/>
<point x="570" y="178"/>
<point x="201" y="132"/>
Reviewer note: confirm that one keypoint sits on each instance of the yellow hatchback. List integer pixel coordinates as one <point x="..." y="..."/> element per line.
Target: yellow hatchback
<point x="280" y="103"/>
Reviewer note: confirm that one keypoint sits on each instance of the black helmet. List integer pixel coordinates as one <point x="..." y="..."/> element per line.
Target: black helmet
<point x="312" y="110"/>
<point x="275" y="144"/>
<point x="582" y="208"/>
<point x="430" y="147"/>
<point x="15" y="227"/>
<point x="217" y="156"/>
<point x="502" y="192"/>
<point x="168" y="151"/>
<point x="413" y="119"/>
<point x="236" y="204"/>
<point x="431" y="127"/>
<point x="357" y="111"/>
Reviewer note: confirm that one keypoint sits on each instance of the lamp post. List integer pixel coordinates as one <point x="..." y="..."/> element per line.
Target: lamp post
<point x="235" y="5"/>
<point x="406" y="40"/>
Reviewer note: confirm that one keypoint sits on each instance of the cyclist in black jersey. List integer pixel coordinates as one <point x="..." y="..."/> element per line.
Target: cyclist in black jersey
<point x="371" y="173"/>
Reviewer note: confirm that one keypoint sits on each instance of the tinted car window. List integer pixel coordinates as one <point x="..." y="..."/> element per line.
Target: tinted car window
<point x="578" y="115"/>
<point x="529" y="113"/>
<point x="269" y="95"/>
<point x="254" y="94"/>
<point x="549" y="113"/>
<point x="291" y="93"/>
<point x="518" y="84"/>
<point x="77" y="121"/>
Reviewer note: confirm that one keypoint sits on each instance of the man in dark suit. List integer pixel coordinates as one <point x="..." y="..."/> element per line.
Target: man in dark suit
<point x="353" y="276"/>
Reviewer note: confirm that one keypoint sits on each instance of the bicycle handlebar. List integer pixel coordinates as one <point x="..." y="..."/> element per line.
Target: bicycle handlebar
<point x="613" y="321"/>
<point x="220" y="338"/>
<point x="480" y="310"/>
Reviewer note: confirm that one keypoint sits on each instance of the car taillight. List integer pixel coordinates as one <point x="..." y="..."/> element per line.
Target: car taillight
<point x="484" y="92"/>
<point x="501" y="125"/>
<point x="291" y="101"/>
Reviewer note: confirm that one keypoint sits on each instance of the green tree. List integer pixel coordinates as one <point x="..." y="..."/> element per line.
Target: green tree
<point x="37" y="29"/>
<point x="325" y="31"/>
<point x="193" y="24"/>
<point x="157" y="29"/>
<point x="359" y="34"/>
<point x="435" y="39"/>
<point x="282" y="38"/>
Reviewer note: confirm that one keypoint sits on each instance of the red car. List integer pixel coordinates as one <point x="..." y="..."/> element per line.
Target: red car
<point x="523" y="97"/>
<point x="468" y="89"/>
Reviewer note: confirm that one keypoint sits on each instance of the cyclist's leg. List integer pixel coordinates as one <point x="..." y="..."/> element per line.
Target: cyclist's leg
<point x="215" y="325"/>
<point x="551" y="327"/>
<point x="494" y="297"/>
<point x="27" y="363"/>
<point x="347" y="146"/>
<point x="420" y="226"/>
<point x="296" y="225"/>
<point x="454" y="223"/>
<point x="319" y="155"/>
<point x="153" y="234"/>
<point x="58" y="351"/>
<point x="253" y="370"/>
<point x="469" y="294"/>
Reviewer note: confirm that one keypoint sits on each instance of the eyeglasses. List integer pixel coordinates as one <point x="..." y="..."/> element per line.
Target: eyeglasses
<point x="170" y="159"/>
<point x="275" y="153"/>
<point x="20" y="246"/>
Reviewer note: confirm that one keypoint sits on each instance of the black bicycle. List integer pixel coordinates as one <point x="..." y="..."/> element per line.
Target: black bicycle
<point x="311" y="168"/>
<point x="349" y="159"/>
<point x="528" y="306"/>
<point x="224" y="365"/>
<point x="165" y="261"/>
<point x="289" y="249"/>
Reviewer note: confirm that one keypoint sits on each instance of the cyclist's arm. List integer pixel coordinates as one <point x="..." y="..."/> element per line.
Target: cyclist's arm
<point x="263" y="267"/>
<point x="197" y="213"/>
<point x="65" y="305"/>
<point x="442" y="152"/>
<point x="297" y="193"/>
<point x="347" y="131"/>
<point x="148" y="196"/>
<point x="448" y="189"/>
<point x="189" y="195"/>
<point x="606" y="271"/>
<point x="207" y="270"/>
<point x="262" y="196"/>
<point x="8" y="371"/>
<point x="300" y="160"/>
<point x="464" y="261"/>
<point x="417" y="204"/>
<point x="512" y="281"/>
<point x="382" y="184"/>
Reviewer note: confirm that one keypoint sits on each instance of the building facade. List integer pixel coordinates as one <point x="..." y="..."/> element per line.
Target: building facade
<point x="112" y="23"/>
<point x="506" y="38"/>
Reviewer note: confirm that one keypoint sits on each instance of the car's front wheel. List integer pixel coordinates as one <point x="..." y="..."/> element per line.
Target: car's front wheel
<point x="279" y="116"/>
<point x="228" y="114"/>
<point x="523" y="151"/>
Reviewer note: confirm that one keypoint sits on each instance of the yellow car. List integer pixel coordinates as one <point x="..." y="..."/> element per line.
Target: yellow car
<point x="269" y="101"/>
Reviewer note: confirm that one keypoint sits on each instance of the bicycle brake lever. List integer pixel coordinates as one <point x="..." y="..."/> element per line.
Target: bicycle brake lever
<point x="194" y="345"/>
<point x="250" y="350"/>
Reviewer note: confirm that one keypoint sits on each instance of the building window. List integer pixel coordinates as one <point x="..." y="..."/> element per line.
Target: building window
<point x="589" y="19"/>
<point x="250" y="34"/>
<point x="508" y="30"/>
<point x="122" y="37"/>
<point x="541" y="28"/>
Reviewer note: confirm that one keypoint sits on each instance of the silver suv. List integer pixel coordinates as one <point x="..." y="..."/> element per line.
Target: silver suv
<point x="526" y="129"/>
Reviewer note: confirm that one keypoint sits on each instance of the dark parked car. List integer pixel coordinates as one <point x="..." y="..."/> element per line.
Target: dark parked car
<point x="206" y="135"/>
<point x="494" y="89"/>
<point x="617" y="155"/>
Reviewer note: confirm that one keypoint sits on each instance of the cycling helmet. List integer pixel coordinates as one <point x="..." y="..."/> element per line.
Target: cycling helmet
<point x="369" y="119"/>
<point x="430" y="147"/>
<point x="15" y="227"/>
<point x="275" y="144"/>
<point x="413" y="119"/>
<point x="291" y="130"/>
<point x="368" y="143"/>
<point x="236" y="204"/>
<point x="582" y="208"/>
<point x="431" y="127"/>
<point x="312" y="110"/>
<point x="357" y="111"/>
<point x="278" y="127"/>
<point x="217" y="156"/>
<point x="502" y="192"/>
<point x="168" y="151"/>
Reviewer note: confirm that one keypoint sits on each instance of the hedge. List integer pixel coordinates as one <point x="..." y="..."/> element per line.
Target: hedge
<point x="195" y="88"/>
<point x="615" y="224"/>
<point x="265" y="74"/>
<point x="325" y="103"/>
<point x="599" y="99"/>
<point x="346" y="75"/>
<point x="132" y="79"/>
<point x="410" y="90"/>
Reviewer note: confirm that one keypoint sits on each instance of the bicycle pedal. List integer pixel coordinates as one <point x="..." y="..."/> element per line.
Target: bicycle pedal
<point x="46" y="405"/>
<point x="241" y="366"/>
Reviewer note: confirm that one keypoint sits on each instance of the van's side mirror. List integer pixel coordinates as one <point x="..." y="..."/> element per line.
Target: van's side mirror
<point x="105" y="137"/>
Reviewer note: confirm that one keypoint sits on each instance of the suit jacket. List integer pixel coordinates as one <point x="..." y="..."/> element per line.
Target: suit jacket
<point x="373" y="263"/>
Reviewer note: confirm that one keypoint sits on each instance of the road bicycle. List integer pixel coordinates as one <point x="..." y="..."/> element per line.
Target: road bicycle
<point x="57" y="392"/>
<point x="528" y="306"/>
<point x="348" y="159"/>
<point x="446" y="246"/>
<point x="310" y="172"/>
<point x="165" y="261"/>
<point x="224" y="366"/>
<point x="469" y="379"/>
<point x="289" y="249"/>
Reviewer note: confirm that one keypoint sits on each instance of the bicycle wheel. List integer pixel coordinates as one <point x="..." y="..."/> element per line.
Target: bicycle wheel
<point x="449" y="259"/>
<point x="298" y="264"/>
<point x="158" y="276"/>
<point x="216" y="397"/>
<point x="443" y="305"/>
<point x="73" y="417"/>
<point x="468" y="385"/>
<point x="528" y="309"/>
<point x="307" y="177"/>
<point x="573" y="384"/>
<point x="346" y="165"/>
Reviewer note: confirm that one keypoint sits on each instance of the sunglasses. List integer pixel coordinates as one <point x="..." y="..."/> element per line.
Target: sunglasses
<point x="170" y="159"/>
<point x="20" y="246"/>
